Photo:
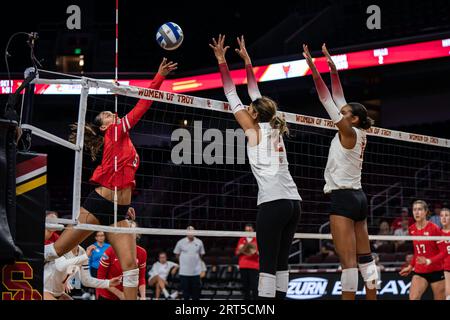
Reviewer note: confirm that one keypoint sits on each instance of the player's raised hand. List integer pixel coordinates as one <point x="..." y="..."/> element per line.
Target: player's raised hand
<point x="330" y="61"/>
<point x="166" y="67"/>
<point x="219" y="48"/>
<point x="309" y="59"/>
<point x="242" y="51"/>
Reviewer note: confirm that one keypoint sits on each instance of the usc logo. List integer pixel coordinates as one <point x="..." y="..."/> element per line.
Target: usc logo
<point x="20" y="289"/>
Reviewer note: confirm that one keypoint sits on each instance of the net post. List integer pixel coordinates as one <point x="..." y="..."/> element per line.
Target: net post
<point x="78" y="167"/>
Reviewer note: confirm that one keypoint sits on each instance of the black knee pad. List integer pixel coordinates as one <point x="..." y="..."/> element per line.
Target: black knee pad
<point x="365" y="258"/>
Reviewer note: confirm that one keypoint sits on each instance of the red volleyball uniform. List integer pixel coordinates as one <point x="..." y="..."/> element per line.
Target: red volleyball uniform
<point x="445" y="248"/>
<point x="109" y="268"/>
<point x="117" y="144"/>
<point x="52" y="238"/>
<point x="426" y="248"/>
<point x="248" y="262"/>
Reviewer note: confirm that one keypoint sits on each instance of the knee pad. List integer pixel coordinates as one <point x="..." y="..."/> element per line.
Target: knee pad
<point x="282" y="280"/>
<point x="131" y="278"/>
<point x="267" y="285"/>
<point x="368" y="270"/>
<point x="349" y="280"/>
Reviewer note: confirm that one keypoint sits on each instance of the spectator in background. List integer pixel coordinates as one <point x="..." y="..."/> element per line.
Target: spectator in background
<point x="384" y="230"/>
<point x="404" y="214"/>
<point x="436" y="217"/>
<point x="247" y="251"/>
<point x="189" y="251"/>
<point x="327" y="249"/>
<point x="403" y="231"/>
<point x="50" y="234"/>
<point x="157" y="276"/>
<point x="98" y="248"/>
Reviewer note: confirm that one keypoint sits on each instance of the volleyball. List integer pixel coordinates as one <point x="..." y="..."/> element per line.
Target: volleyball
<point x="169" y="36"/>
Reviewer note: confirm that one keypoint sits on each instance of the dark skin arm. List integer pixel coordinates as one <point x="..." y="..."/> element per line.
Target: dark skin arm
<point x="347" y="134"/>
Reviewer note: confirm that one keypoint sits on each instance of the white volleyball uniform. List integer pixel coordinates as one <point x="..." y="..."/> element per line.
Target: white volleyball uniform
<point x="270" y="167"/>
<point x="58" y="271"/>
<point x="343" y="178"/>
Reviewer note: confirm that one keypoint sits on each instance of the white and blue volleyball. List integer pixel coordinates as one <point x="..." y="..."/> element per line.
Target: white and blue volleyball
<point x="169" y="36"/>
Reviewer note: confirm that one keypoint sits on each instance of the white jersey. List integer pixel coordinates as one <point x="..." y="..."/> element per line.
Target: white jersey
<point x="271" y="168"/>
<point x="343" y="170"/>
<point x="58" y="271"/>
<point x="161" y="270"/>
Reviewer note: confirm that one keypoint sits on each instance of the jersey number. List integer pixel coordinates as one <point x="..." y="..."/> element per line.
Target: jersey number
<point x="420" y="246"/>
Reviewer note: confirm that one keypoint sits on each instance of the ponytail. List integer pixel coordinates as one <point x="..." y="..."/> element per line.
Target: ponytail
<point x="365" y="122"/>
<point x="279" y="123"/>
<point x="93" y="140"/>
<point x="267" y="112"/>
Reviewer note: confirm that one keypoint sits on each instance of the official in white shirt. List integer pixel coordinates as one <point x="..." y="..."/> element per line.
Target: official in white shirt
<point x="189" y="252"/>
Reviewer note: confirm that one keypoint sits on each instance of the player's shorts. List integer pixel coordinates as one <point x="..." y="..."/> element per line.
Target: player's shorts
<point x="349" y="203"/>
<point x="103" y="209"/>
<point x="432" y="276"/>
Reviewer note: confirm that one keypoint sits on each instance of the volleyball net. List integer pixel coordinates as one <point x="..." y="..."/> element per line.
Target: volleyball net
<point x="194" y="171"/>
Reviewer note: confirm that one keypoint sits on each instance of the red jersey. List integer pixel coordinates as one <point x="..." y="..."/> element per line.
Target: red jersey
<point x="117" y="144"/>
<point x="109" y="268"/>
<point x="445" y="249"/>
<point x="247" y="262"/>
<point x="52" y="238"/>
<point x="426" y="248"/>
<point x="397" y="223"/>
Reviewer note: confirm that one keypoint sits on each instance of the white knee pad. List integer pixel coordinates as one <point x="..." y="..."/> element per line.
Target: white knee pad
<point x="131" y="278"/>
<point x="369" y="273"/>
<point x="282" y="280"/>
<point x="49" y="252"/>
<point x="267" y="285"/>
<point x="349" y="280"/>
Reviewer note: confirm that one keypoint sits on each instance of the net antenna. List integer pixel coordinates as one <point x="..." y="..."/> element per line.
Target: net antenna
<point x="116" y="82"/>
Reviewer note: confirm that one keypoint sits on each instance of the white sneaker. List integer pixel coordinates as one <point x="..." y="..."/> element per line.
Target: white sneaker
<point x="174" y="295"/>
